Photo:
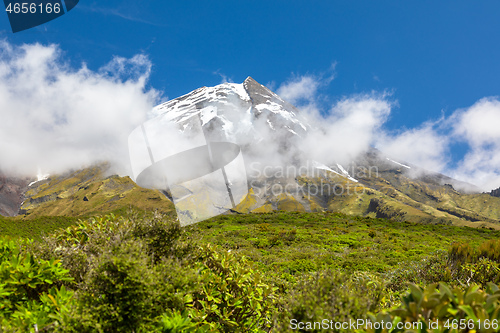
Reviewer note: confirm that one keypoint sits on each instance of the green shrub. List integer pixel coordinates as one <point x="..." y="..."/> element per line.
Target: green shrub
<point x="120" y="293"/>
<point x="161" y="237"/>
<point x="465" y="253"/>
<point x="47" y="314"/>
<point x="439" y="308"/>
<point x="434" y="268"/>
<point x="490" y="250"/>
<point x="234" y="296"/>
<point x="128" y="270"/>
<point x="78" y="246"/>
<point x="461" y="266"/>
<point x="480" y="272"/>
<point x="177" y="322"/>
<point x="29" y="293"/>
<point x="461" y="253"/>
<point x="330" y="294"/>
<point x="145" y="274"/>
<point x="372" y="233"/>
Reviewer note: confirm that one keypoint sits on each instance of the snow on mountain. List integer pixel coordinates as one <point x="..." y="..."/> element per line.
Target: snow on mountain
<point x="246" y="114"/>
<point x="398" y="163"/>
<point x="321" y="166"/>
<point x="39" y="177"/>
<point x="238" y="112"/>
<point x="345" y="173"/>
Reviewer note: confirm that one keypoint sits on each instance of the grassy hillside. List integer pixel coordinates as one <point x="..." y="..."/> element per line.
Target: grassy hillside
<point x="33" y="228"/>
<point x="90" y="191"/>
<point x="36" y="227"/>
<point x="434" y="200"/>
<point x="389" y="193"/>
<point x="293" y="242"/>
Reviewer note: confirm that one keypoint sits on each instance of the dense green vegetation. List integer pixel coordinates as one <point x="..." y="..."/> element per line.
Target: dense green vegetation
<point x="245" y="273"/>
<point x="34" y="228"/>
<point x="292" y="242"/>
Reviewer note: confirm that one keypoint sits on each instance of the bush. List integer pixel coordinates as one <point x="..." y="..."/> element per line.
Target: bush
<point x="143" y="274"/>
<point x="432" y="269"/>
<point x="462" y="266"/>
<point x="461" y="253"/>
<point x="78" y="246"/>
<point x="30" y="288"/>
<point x="177" y="322"/>
<point x="480" y="272"/>
<point x="120" y="293"/>
<point x="330" y="294"/>
<point x="439" y="308"/>
<point x="464" y="253"/>
<point x="126" y="292"/>
<point x="233" y="297"/>
<point x="490" y="250"/>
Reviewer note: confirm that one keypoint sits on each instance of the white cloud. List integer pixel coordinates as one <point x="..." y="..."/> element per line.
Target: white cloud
<point x="423" y="146"/>
<point x="303" y="90"/>
<point x="479" y="124"/>
<point x="300" y="89"/>
<point x="479" y="127"/>
<point x="224" y="78"/>
<point x="356" y="122"/>
<point x="346" y="128"/>
<point x="349" y="127"/>
<point x="56" y="117"/>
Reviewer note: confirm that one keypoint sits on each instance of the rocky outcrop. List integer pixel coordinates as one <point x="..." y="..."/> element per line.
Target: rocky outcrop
<point x="12" y="192"/>
<point x="495" y="193"/>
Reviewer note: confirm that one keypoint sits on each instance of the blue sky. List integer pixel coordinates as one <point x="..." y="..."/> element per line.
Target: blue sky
<point x="432" y="57"/>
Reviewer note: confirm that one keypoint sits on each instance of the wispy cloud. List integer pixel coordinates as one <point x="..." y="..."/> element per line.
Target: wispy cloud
<point x="347" y="129"/>
<point x="123" y="13"/>
<point x="224" y="77"/>
<point x="304" y="89"/>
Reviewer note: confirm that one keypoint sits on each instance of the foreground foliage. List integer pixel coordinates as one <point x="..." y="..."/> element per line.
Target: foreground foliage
<point x="29" y="287"/>
<point x="132" y="275"/>
<point x="438" y="308"/>
<point x="248" y="273"/>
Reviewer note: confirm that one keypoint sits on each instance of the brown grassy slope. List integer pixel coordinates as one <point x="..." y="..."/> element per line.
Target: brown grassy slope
<point x="90" y="191"/>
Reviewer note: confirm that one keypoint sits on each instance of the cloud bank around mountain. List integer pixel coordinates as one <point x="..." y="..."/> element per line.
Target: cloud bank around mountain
<point x="56" y="117"/>
<point x="356" y="122"/>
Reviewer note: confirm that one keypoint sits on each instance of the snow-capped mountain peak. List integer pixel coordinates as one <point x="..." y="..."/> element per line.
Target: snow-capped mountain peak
<point x="238" y="112"/>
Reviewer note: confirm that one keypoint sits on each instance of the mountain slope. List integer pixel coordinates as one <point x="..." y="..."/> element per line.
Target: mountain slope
<point x="89" y="191"/>
<point x="11" y="194"/>
<point x="267" y="128"/>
